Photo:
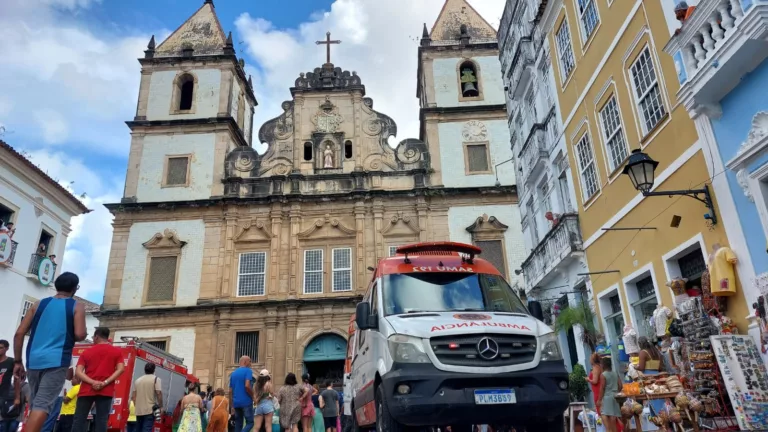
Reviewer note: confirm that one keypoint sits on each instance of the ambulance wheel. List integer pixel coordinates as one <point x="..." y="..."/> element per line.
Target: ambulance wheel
<point x="384" y="421"/>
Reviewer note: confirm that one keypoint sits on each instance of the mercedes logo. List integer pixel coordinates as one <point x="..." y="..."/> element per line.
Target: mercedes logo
<point x="488" y="348"/>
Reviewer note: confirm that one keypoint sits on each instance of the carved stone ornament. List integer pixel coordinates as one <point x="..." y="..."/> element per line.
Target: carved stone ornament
<point x="167" y="239"/>
<point x="474" y="131"/>
<point x="742" y="176"/>
<point x="327" y="220"/>
<point x="249" y="227"/>
<point x="327" y="119"/>
<point x="405" y="220"/>
<point x="242" y="159"/>
<point x="280" y="127"/>
<point x="757" y="132"/>
<point x="485" y="223"/>
<point x="328" y="79"/>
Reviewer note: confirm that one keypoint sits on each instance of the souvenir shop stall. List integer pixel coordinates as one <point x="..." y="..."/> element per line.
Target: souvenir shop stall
<point x="711" y="378"/>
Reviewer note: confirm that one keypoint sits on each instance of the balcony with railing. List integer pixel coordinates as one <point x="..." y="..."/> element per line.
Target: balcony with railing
<point x="522" y="68"/>
<point x="561" y="242"/>
<point x="534" y="154"/>
<point x="717" y="44"/>
<point x="7" y="253"/>
<point x="41" y="268"/>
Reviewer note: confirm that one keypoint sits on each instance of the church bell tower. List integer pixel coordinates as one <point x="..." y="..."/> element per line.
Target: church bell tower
<point x="195" y="105"/>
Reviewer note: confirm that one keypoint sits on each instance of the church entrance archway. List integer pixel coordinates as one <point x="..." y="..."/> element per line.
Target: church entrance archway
<point x="324" y="358"/>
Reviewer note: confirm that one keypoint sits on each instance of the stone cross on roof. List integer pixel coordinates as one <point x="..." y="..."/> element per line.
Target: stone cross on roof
<point x="327" y="42"/>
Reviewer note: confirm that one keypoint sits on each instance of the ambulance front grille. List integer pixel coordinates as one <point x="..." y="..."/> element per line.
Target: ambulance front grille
<point x="465" y="350"/>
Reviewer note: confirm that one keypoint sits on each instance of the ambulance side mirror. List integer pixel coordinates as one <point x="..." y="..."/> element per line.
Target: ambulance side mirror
<point x="363" y="317"/>
<point x="534" y="308"/>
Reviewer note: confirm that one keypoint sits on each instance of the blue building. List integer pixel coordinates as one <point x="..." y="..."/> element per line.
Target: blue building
<point x="720" y="54"/>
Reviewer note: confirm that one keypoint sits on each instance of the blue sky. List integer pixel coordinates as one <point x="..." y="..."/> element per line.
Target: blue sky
<point x="70" y="78"/>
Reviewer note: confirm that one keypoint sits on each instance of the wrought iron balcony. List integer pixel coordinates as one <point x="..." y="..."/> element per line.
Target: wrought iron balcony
<point x="34" y="268"/>
<point x="559" y="244"/>
<point x="11" y="255"/>
<point x="717" y="44"/>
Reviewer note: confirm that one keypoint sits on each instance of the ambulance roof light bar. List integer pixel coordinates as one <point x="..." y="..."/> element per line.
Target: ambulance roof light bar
<point x="461" y="248"/>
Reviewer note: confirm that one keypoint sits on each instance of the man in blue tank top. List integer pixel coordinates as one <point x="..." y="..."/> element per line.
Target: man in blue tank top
<point x="54" y="325"/>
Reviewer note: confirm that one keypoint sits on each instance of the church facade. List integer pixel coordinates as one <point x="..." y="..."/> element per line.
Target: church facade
<point x="219" y="251"/>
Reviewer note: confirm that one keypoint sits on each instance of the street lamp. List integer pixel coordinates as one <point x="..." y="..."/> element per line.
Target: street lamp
<point x="640" y="169"/>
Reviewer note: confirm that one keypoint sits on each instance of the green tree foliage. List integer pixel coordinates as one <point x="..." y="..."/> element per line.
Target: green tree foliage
<point x="581" y="315"/>
<point x="577" y="382"/>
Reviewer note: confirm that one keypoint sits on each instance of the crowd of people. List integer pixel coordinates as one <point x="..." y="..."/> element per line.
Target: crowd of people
<point x="49" y="395"/>
<point x="297" y="405"/>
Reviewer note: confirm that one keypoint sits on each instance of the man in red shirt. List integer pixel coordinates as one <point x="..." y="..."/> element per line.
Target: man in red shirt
<point x="98" y="368"/>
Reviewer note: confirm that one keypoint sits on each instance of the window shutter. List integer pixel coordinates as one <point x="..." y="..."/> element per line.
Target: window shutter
<point x="477" y="156"/>
<point x="252" y="274"/>
<point x="342" y="269"/>
<point x="247" y="343"/>
<point x="177" y="171"/>
<point x="493" y="252"/>
<point x="313" y="271"/>
<point x="162" y="279"/>
<point x="160" y="344"/>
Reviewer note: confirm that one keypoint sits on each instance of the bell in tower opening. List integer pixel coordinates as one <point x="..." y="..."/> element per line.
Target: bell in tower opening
<point x="469" y="80"/>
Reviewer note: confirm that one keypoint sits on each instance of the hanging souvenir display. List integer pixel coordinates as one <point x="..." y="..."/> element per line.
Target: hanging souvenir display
<point x="746" y="379"/>
<point x="721" y="271"/>
<point x="630" y="340"/>
<point x="697" y="366"/>
<point x="711" y="303"/>
<point x="661" y="317"/>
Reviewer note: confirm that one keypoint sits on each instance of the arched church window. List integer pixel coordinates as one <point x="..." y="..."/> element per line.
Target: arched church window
<point x="348" y="150"/>
<point x="307" y="151"/>
<point x="186" y="92"/>
<point x="468" y="77"/>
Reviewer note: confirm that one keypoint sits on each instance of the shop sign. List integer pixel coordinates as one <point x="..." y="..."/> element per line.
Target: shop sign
<point x="6" y="247"/>
<point x="46" y="271"/>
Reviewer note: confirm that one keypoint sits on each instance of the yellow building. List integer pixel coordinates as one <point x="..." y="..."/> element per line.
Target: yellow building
<point x="616" y="92"/>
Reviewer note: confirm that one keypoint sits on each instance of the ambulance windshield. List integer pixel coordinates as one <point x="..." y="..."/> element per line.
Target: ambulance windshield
<point x="442" y="292"/>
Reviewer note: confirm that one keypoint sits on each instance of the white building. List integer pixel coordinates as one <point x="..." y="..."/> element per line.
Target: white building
<point x="40" y="210"/>
<point x="552" y="236"/>
<point x="463" y="114"/>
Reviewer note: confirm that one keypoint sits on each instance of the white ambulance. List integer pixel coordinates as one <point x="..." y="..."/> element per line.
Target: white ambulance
<point x="443" y="340"/>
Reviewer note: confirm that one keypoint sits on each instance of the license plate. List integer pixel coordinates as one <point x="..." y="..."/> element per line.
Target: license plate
<point x="495" y="397"/>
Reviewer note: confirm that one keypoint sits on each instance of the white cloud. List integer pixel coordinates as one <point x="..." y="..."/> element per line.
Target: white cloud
<point x="53" y="63"/>
<point x="53" y="126"/>
<point x="379" y="42"/>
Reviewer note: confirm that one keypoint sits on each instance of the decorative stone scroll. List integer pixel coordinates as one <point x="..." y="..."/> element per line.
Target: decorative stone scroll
<point x="168" y="239"/>
<point x="331" y="222"/>
<point x="247" y="229"/>
<point x="404" y="220"/>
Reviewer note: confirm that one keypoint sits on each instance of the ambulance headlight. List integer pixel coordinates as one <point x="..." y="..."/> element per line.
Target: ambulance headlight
<point x="550" y="347"/>
<point x="407" y="349"/>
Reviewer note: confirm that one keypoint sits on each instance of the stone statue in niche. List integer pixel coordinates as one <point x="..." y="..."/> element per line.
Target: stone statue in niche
<point x="328" y="156"/>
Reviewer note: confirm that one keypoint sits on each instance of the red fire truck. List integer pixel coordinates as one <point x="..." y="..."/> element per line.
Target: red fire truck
<point x="169" y="368"/>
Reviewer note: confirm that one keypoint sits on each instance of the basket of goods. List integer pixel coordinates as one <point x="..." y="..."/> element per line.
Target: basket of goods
<point x="674" y="385"/>
<point x="682" y="401"/>
<point x="656" y="389"/>
<point x="675" y="417"/>
<point x="631" y="389"/>
<point x="637" y="408"/>
<point x="626" y="409"/>
<point x="695" y="405"/>
<point x="702" y="356"/>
